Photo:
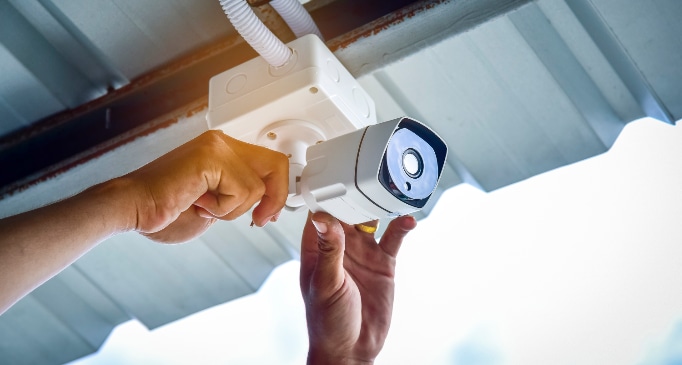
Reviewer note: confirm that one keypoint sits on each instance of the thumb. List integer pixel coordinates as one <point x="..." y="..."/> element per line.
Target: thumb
<point x="328" y="275"/>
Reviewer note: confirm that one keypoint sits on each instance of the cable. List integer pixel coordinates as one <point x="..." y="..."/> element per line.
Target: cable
<point x="256" y="34"/>
<point x="296" y="17"/>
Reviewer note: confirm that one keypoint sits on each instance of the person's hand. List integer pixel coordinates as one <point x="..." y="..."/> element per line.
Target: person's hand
<point x="214" y="176"/>
<point x="347" y="286"/>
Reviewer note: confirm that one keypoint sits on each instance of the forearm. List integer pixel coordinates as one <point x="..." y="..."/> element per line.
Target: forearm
<point x="36" y="245"/>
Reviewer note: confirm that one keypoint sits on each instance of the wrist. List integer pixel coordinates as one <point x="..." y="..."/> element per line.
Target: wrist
<point x="325" y="358"/>
<point x="117" y="197"/>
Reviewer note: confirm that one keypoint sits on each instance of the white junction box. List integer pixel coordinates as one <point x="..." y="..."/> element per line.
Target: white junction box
<point x="310" y="99"/>
<point x="312" y="93"/>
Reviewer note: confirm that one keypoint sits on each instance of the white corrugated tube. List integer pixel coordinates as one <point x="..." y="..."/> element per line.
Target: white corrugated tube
<point x="256" y="34"/>
<point x="296" y="17"/>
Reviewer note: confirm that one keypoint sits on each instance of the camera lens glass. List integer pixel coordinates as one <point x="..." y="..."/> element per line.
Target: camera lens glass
<point x="413" y="165"/>
<point x="412" y="162"/>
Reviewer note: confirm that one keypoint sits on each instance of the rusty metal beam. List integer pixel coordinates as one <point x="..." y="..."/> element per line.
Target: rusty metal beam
<point x="356" y="30"/>
<point x="31" y="154"/>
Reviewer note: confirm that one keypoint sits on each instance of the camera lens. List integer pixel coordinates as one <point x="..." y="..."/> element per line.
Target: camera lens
<point x="413" y="165"/>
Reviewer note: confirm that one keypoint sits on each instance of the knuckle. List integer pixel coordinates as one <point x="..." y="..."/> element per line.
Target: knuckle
<point x="326" y="246"/>
<point x="258" y="188"/>
<point x="215" y="134"/>
<point x="209" y="145"/>
<point x="211" y="137"/>
<point x="276" y="161"/>
<point x="280" y="158"/>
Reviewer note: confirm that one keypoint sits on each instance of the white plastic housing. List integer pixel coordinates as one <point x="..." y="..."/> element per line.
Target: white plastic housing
<point x="342" y="176"/>
<point x="313" y="87"/>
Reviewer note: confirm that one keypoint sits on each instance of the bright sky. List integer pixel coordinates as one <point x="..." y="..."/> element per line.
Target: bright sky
<point x="580" y="265"/>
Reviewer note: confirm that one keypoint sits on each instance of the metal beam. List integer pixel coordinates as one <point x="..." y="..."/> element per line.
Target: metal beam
<point x="31" y="154"/>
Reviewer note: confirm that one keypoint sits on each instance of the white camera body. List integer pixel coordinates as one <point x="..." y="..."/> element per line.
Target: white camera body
<point x="369" y="174"/>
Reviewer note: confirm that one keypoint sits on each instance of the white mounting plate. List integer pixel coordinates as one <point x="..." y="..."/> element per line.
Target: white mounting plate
<point x="313" y="87"/>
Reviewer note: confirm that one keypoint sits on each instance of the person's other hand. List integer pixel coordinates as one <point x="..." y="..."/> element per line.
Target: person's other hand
<point x="214" y="176"/>
<point x="348" y="288"/>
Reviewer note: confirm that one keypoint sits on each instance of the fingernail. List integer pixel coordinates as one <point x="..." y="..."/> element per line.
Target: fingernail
<point x="275" y="217"/>
<point x="320" y="226"/>
<point x="267" y="220"/>
<point x="203" y="213"/>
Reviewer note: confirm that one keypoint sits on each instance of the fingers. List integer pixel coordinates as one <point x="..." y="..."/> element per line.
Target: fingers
<point x="396" y="231"/>
<point x="308" y="254"/>
<point x="214" y="175"/>
<point x="234" y="195"/>
<point x="217" y="205"/>
<point x="322" y="250"/>
<point x="272" y="170"/>
<point x="188" y="225"/>
<point x="246" y="175"/>
<point x="276" y="192"/>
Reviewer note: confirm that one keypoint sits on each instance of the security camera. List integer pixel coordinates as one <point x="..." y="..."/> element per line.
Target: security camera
<point x="384" y="170"/>
<point x="315" y="112"/>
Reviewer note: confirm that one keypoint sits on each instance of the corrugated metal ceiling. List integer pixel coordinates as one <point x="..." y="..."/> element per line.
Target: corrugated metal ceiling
<point x="546" y="84"/>
<point x="61" y="54"/>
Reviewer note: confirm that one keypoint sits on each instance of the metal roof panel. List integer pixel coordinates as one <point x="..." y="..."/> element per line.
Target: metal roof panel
<point x="23" y="97"/>
<point x="161" y="283"/>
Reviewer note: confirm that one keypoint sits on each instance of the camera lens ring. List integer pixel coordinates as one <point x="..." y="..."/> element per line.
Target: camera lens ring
<point x="412" y="163"/>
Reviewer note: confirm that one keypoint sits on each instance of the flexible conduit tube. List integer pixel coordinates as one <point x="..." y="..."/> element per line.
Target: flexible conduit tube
<point x="296" y="17"/>
<point x="256" y="34"/>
